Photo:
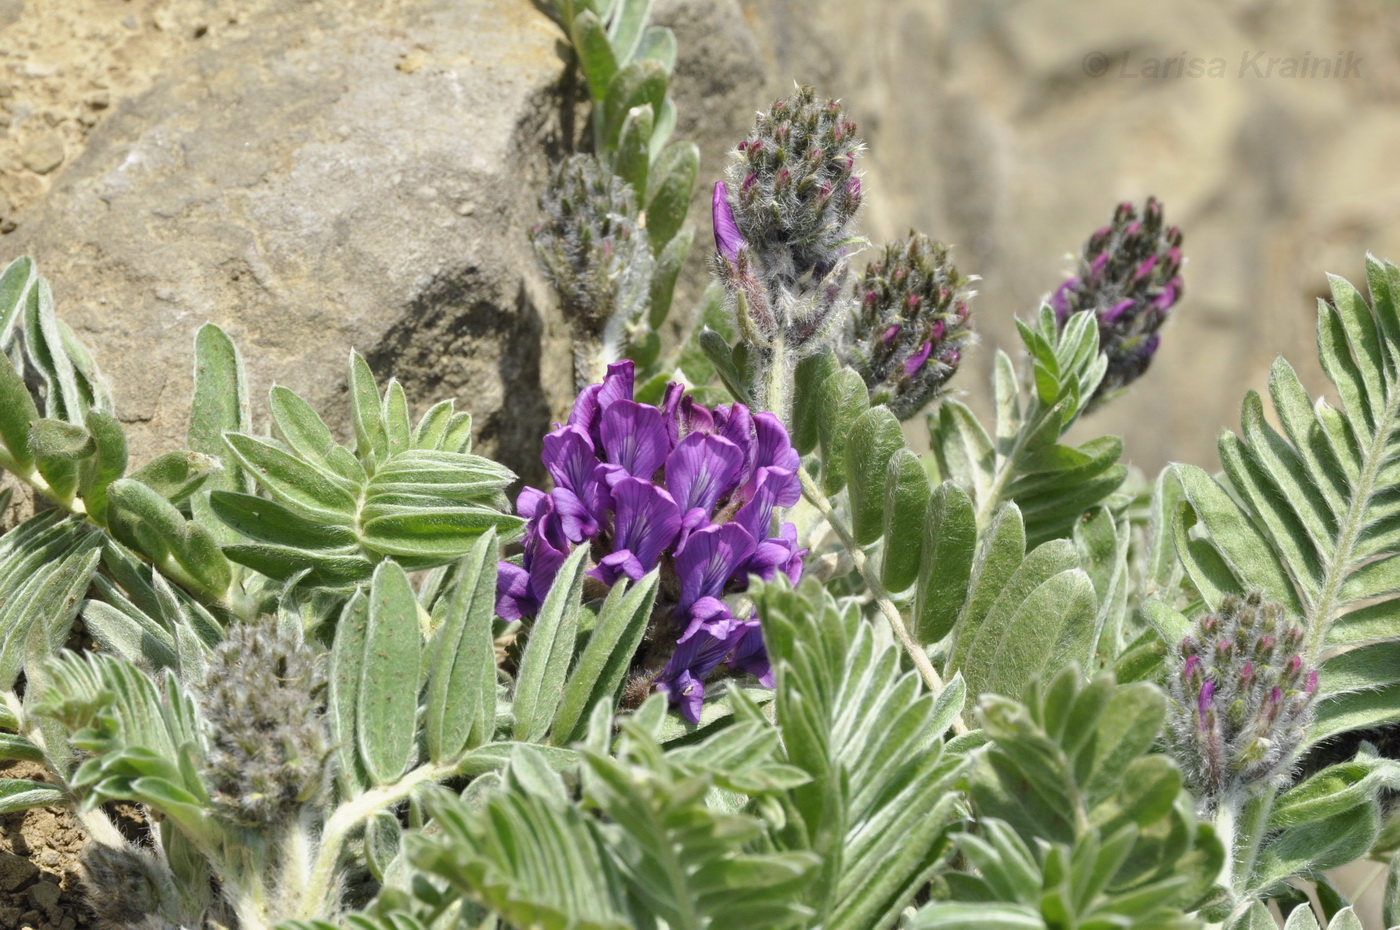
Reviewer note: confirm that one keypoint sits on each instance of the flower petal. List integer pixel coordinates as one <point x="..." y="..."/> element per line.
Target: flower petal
<point x="751" y="655"/>
<point x="646" y="520"/>
<point x="727" y="238"/>
<point x="634" y="437"/>
<point x="702" y="469"/>
<point x="569" y="455"/>
<point x="513" y="597"/>
<point x="708" y="559"/>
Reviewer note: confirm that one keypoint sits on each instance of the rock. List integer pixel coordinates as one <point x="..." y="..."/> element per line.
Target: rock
<point x="10" y="12"/>
<point x="45" y="895"/>
<point x="16" y="872"/>
<point x="43" y="154"/>
<point x="275" y="186"/>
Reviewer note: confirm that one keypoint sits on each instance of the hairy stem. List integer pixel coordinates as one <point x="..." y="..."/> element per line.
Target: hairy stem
<point x="323" y="879"/>
<point x="882" y="599"/>
<point x="772" y="389"/>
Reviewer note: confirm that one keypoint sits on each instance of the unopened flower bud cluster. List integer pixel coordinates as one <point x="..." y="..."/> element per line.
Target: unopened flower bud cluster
<point x="910" y="326"/>
<point x="1242" y="698"/>
<point x="596" y="256"/>
<point x="1129" y="275"/>
<point x="781" y="221"/>
<point x="267" y="742"/>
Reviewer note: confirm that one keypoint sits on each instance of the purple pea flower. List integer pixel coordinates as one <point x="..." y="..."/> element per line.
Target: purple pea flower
<point x="727" y="238"/>
<point x="690" y="490"/>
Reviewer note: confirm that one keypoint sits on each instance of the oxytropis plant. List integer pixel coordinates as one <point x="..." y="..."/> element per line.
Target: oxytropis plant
<point x="338" y="708"/>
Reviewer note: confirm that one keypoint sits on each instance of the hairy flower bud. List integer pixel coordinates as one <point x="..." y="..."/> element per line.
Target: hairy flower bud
<point x="267" y="743"/>
<point x="909" y="327"/>
<point x="596" y="256"/>
<point x="1129" y="275"/>
<point x="125" y="888"/>
<point x="781" y="222"/>
<point x="1241" y="698"/>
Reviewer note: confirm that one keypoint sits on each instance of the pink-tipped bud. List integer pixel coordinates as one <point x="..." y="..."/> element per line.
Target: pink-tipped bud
<point x="1203" y="700"/>
<point x="890" y="333"/>
<point x="1189" y="667"/>
<point x="1311" y="686"/>
<point x="1247" y="673"/>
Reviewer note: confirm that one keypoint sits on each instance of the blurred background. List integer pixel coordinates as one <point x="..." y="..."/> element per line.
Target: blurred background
<point x="1011" y="129"/>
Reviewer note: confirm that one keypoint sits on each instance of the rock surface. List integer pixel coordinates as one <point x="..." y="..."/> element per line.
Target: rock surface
<point x="336" y="178"/>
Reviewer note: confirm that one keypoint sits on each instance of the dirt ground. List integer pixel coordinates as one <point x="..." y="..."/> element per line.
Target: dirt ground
<point x="65" y="63"/>
<point x="39" y="848"/>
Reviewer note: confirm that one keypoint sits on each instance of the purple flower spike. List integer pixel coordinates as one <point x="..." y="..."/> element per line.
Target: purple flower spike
<point x="687" y="491"/>
<point x="728" y="242"/>
<point x="1203" y="702"/>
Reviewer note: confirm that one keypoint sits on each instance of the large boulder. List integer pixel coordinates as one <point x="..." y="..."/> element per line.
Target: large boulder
<point x="336" y="178"/>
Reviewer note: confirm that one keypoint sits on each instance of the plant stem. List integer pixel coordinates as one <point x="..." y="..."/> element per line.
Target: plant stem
<point x="772" y="389"/>
<point x="882" y="599"/>
<point x="347" y="817"/>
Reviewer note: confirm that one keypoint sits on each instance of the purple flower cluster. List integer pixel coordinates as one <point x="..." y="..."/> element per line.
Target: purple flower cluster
<point x="689" y="489"/>
<point x="1129" y="275"/>
<point x="1242" y="697"/>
